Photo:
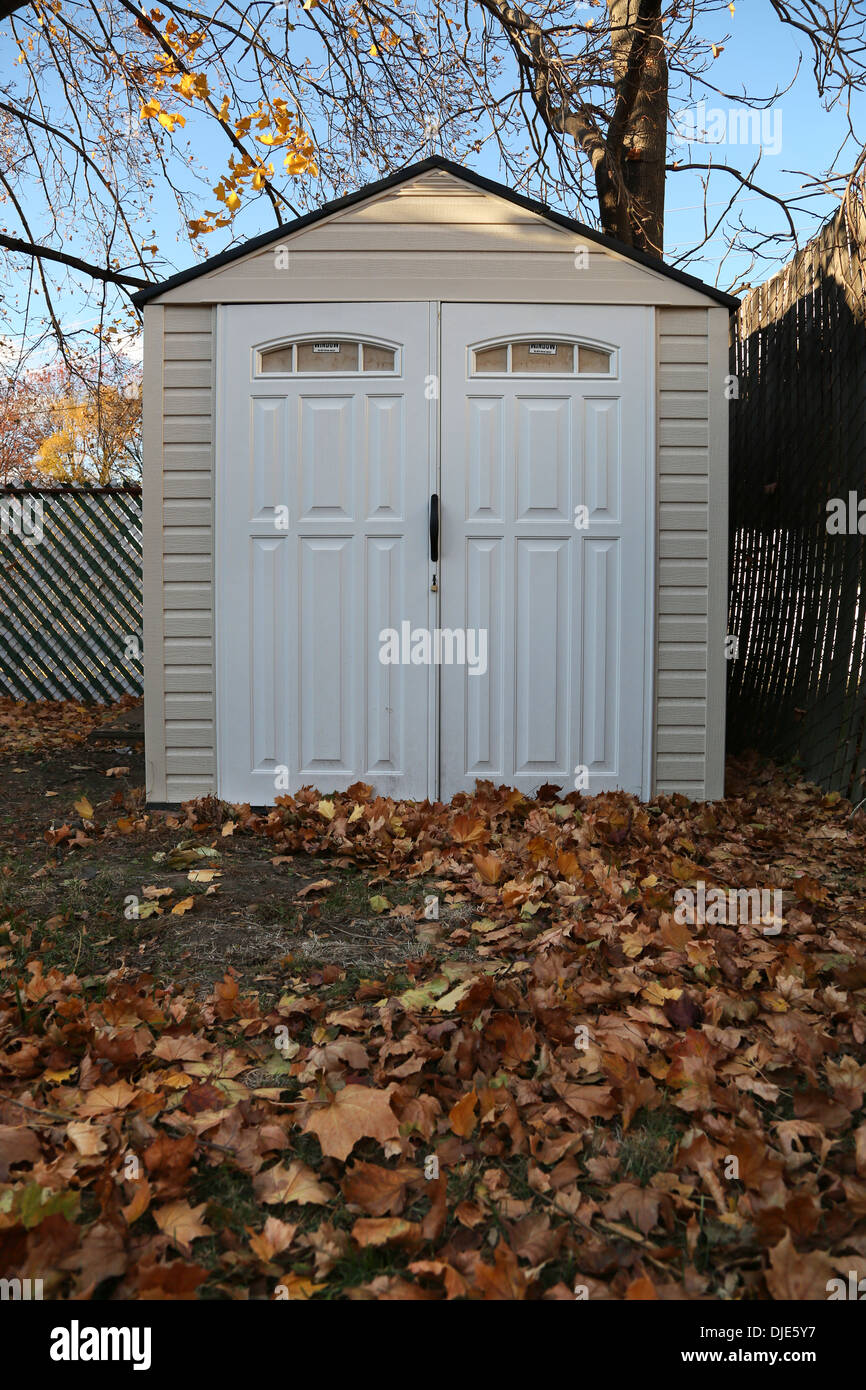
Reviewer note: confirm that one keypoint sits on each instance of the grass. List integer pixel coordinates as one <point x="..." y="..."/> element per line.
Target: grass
<point x="648" y="1144"/>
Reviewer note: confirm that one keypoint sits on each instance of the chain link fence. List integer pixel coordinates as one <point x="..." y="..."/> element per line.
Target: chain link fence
<point x="70" y="596"/>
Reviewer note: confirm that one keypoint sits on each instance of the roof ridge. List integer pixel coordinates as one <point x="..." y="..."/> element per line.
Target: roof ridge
<point x="460" y="171"/>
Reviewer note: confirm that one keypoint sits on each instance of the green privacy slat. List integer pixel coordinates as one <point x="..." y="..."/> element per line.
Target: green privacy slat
<point x="68" y="602"/>
<point x="19" y="680"/>
<point x="83" y="543"/>
<point x="74" y="658"/>
<point x="76" y="611"/>
<point x="35" y="657"/>
<point x="82" y="605"/>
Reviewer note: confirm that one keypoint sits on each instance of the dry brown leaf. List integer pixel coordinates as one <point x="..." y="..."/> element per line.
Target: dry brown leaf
<point x="354" y="1113"/>
<point x="295" y="1183"/>
<point x="182" y="1223"/>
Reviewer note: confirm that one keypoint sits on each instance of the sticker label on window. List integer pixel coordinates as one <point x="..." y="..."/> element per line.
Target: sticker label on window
<point x="326" y="347"/>
<point x="544" y="349"/>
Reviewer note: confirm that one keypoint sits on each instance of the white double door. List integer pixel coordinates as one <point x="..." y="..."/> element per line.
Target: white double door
<point x="329" y="670"/>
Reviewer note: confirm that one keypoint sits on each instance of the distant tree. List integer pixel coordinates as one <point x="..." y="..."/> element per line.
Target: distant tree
<point x="74" y="425"/>
<point x="21" y="427"/>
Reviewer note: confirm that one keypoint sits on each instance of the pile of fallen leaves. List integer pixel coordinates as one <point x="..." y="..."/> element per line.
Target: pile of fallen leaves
<point x="28" y="726"/>
<point x="602" y="1097"/>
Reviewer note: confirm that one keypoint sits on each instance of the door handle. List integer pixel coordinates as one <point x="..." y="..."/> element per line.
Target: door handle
<point x="434" y="528"/>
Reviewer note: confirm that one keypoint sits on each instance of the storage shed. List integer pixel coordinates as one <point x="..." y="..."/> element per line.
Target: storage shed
<point x="435" y="489"/>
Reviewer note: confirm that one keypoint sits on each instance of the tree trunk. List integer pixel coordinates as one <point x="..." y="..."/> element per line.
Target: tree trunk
<point x="630" y="179"/>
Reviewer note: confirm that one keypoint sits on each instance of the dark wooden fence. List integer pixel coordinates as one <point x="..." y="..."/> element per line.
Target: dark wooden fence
<point x="70" y="593"/>
<point x="797" y="688"/>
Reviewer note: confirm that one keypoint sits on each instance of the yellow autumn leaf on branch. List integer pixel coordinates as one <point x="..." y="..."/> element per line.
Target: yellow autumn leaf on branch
<point x="193" y="85"/>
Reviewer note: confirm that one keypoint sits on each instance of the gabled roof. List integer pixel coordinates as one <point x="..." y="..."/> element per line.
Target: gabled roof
<point x="426" y="166"/>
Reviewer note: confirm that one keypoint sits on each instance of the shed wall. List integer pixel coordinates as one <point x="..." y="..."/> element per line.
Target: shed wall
<point x="179" y="592"/>
<point x="385" y="250"/>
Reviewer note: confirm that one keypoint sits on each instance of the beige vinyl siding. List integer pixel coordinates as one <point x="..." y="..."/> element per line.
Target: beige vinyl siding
<point x="689" y="747"/>
<point x="434" y="238"/>
<point x="180" y="681"/>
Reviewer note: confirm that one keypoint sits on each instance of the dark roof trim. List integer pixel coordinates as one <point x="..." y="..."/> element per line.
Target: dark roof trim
<point x="425" y="166"/>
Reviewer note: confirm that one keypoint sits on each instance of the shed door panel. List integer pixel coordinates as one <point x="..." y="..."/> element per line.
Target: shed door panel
<point x="530" y="432"/>
<point x="323" y="487"/>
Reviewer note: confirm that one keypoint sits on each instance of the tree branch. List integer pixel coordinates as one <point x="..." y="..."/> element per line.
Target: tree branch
<point x="46" y="253"/>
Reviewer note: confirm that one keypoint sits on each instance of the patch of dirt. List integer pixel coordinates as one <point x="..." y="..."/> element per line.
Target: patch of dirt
<point x="261" y="953"/>
<point x="368" y="943"/>
<point x="259" y="918"/>
<point x="38" y="787"/>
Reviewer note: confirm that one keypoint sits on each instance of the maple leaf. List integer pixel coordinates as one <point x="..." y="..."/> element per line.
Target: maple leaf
<point x="794" y="1277"/>
<point x="88" y="1139"/>
<point x="489" y="867"/>
<point x="504" y="1279"/>
<point x="103" y="1100"/>
<point x="101" y="1255"/>
<point x="296" y="1183"/>
<point x="808" y="889"/>
<point x="516" y="1043"/>
<point x="140" y="1203"/>
<point x="385" y="1230"/>
<point x="639" y="1204"/>
<point x="274" y="1237"/>
<point x="467" y="830"/>
<point x="182" y="1223"/>
<point x="183" y="1049"/>
<point x="320" y="886"/>
<point x="168" y="1161"/>
<point x="352" y="1114"/>
<point x="376" y="1190"/>
<point x="172" y="1280"/>
<point x="462" y="1117"/>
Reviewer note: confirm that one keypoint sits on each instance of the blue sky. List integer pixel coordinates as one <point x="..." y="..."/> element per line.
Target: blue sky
<point x="759" y="54"/>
